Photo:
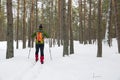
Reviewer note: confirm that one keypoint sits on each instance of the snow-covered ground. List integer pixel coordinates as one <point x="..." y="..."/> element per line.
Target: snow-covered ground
<point x="83" y="65"/>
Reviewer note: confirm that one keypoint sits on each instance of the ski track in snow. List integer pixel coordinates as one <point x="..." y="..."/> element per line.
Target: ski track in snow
<point x="31" y="73"/>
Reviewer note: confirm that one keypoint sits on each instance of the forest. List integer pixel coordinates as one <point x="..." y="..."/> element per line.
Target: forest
<point x="86" y="21"/>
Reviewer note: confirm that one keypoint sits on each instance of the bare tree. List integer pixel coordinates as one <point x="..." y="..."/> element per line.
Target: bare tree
<point x="10" y="48"/>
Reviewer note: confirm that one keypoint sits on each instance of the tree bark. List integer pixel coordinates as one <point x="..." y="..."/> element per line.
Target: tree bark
<point x="1" y="24"/>
<point x="59" y="22"/>
<point x="90" y="23"/>
<point x="80" y="22"/>
<point x="63" y="25"/>
<point x="70" y="26"/>
<point x="10" y="48"/>
<point x="108" y="36"/>
<point x="99" y="52"/>
<point x="32" y="20"/>
<point x="24" y="25"/>
<point x="117" y="20"/>
<point x="36" y="14"/>
<point x="17" y="34"/>
<point x="84" y="29"/>
<point x="0" y="20"/>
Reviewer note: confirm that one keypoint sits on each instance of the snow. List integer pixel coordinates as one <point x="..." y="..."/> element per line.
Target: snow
<point x="83" y="65"/>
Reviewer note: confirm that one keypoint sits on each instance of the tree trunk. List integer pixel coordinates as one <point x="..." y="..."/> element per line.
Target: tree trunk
<point x="63" y="25"/>
<point x="17" y="34"/>
<point x="70" y="26"/>
<point x="94" y="35"/>
<point x="42" y="13"/>
<point x="31" y="27"/>
<point x="24" y="25"/>
<point x="84" y="29"/>
<point x="117" y="20"/>
<point x="0" y="21"/>
<point x="90" y="23"/>
<point x="56" y="22"/>
<point x="51" y="23"/>
<point x="10" y="48"/>
<point x="36" y="14"/>
<point x="99" y="52"/>
<point x="32" y="20"/>
<point x="81" y="23"/>
<point x="108" y="37"/>
<point x="29" y="35"/>
<point x="110" y="24"/>
<point x="59" y="22"/>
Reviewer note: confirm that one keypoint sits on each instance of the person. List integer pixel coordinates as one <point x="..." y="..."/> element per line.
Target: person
<point x="39" y="43"/>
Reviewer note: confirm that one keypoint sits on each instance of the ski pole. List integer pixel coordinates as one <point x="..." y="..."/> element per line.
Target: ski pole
<point x="29" y="53"/>
<point x="50" y="52"/>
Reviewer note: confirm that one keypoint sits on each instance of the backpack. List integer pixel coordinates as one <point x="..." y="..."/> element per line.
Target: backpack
<point x="39" y="37"/>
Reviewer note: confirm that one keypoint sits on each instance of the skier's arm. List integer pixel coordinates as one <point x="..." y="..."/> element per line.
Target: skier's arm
<point x="46" y="35"/>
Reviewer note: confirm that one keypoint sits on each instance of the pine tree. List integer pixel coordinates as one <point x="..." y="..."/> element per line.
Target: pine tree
<point x="117" y="20"/>
<point x="10" y="48"/>
<point x="17" y="38"/>
<point x="24" y="25"/>
<point x="64" y="27"/>
<point x="70" y="26"/>
<point x="99" y="52"/>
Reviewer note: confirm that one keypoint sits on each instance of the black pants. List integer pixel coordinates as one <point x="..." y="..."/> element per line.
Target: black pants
<point x="41" y="47"/>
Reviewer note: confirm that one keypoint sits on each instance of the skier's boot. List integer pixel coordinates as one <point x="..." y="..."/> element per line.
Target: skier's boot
<point x="36" y="57"/>
<point x="42" y="59"/>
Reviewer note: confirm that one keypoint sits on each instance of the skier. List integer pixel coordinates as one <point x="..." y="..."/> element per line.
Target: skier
<point x="39" y="43"/>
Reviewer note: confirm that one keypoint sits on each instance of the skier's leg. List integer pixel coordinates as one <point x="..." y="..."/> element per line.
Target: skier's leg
<point x="42" y="53"/>
<point x="36" y="53"/>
